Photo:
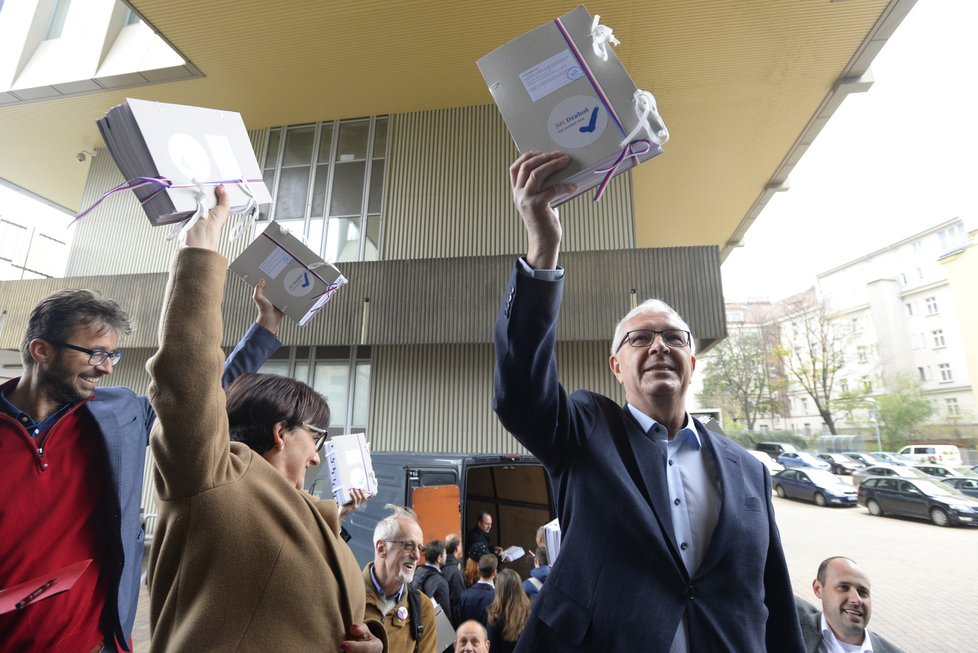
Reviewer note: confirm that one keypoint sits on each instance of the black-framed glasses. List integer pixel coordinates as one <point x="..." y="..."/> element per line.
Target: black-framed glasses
<point x="643" y="338"/>
<point x="409" y="546"/>
<point x="95" y="356"/>
<point x="321" y="434"/>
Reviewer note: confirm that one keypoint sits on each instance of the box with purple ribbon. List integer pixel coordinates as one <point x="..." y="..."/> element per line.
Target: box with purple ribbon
<point x="297" y="281"/>
<point x="172" y="156"/>
<point x="561" y="87"/>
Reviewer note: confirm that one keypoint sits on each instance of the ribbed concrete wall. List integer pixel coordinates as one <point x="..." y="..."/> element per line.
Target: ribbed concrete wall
<point x="448" y="192"/>
<point x="439" y="397"/>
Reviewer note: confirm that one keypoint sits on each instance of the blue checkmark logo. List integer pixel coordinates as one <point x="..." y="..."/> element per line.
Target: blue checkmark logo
<point x="305" y="279"/>
<point x="589" y="127"/>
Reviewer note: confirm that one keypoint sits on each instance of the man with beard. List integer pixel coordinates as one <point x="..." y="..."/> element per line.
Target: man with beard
<point x="408" y="614"/>
<point x="71" y="472"/>
<point x="847" y="605"/>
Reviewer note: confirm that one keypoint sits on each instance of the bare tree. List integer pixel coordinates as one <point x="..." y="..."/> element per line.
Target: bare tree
<point x="736" y="376"/>
<point x="812" y="350"/>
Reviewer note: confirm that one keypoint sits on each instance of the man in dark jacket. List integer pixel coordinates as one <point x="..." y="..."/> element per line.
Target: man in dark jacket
<point x="475" y="600"/>
<point x="844" y="591"/>
<point x="453" y="574"/>
<point x="429" y="578"/>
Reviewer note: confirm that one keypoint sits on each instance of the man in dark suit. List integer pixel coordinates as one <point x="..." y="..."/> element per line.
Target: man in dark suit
<point x="476" y="599"/>
<point x="697" y="562"/>
<point x="847" y="605"/>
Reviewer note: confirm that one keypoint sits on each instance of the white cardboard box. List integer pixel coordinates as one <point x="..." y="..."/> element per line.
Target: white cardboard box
<point x="555" y="93"/>
<point x="297" y="281"/>
<point x="183" y="144"/>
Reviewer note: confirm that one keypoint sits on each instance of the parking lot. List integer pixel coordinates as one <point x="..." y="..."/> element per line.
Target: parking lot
<point x="925" y="578"/>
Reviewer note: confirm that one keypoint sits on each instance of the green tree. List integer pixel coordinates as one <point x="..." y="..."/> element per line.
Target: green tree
<point x="736" y="378"/>
<point x="903" y="409"/>
<point x="813" y="351"/>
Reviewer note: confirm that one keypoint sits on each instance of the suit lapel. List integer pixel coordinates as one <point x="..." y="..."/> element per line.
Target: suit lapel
<point x="646" y="465"/>
<point x="727" y="467"/>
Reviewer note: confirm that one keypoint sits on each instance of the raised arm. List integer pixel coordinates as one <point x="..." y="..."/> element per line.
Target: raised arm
<point x="542" y="223"/>
<point x="190" y="440"/>
<point x="258" y="343"/>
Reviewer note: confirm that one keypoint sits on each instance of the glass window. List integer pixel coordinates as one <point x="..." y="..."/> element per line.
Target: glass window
<point x="952" y="406"/>
<point x="361" y="394"/>
<point x="332" y="381"/>
<point x="353" y="141"/>
<point x="945" y="369"/>
<point x="318" y="175"/>
<point x="938" y="336"/>
<point x="931" y="305"/>
<point x="59" y="13"/>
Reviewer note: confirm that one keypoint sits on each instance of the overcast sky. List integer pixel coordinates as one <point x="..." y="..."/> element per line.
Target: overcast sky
<point x="890" y="163"/>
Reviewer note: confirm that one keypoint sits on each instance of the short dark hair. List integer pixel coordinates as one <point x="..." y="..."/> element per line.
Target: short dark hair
<point x="823" y="568"/>
<point x="257" y="402"/>
<point x="433" y="551"/>
<point x="542" y="558"/>
<point x="56" y="316"/>
<point x="487" y="565"/>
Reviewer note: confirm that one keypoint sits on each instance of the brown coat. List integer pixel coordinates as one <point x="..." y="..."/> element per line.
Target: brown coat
<point x="241" y="561"/>
<point x="398" y="629"/>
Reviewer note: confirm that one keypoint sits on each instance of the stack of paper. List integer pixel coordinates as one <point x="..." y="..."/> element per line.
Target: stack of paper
<point x="297" y="281"/>
<point x="556" y="93"/>
<point x="188" y="146"/>
<point x="348" y="458"/>
<point x="552" y="535"/>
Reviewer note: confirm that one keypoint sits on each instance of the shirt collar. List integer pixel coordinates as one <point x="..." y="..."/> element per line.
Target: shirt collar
<point x="686" y="435"/>
<point x="380" y="590"/>
<point x="833" y="644"/>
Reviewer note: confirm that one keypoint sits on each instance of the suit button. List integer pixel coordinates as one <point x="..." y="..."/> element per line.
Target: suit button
<point x="676" y="502"/>
<point x="683" y="546"/>
<point x="690" y="592"/>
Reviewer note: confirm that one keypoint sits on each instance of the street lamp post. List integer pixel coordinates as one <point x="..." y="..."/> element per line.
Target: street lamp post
<point x="876" y="423"/>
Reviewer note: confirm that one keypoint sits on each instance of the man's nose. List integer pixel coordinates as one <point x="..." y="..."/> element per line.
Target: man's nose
<point x="105" y="367"/>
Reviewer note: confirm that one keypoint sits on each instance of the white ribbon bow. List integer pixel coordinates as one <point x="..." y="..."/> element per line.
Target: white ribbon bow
<point x="647" y="112"/>
<point x="601" y="35"/>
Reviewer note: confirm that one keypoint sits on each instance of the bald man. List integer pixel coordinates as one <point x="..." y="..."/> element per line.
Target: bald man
<point x="844" y="590"/>
<point x="471" y="637"/>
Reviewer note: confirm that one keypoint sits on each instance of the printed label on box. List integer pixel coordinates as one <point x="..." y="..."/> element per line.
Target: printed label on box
<point x="275" y="262"/>
<point x="551" y="75"/>
<point x="577" y="121"/>
<point x="298" y="282"/>
<point x="189" y="156"/>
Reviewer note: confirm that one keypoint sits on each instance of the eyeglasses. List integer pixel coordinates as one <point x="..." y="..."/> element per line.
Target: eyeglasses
<point x="643" y="338"/>
<point x="409" y="546"/>
<point x="95" y="356"/>
<point x="321" y="434"/>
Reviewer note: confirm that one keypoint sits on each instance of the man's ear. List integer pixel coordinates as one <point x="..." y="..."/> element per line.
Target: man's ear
<point x="379" y="549"/>
<point x="817" y="588"/>
<point x="41" y="350"/>
<point x="615" y="366"/>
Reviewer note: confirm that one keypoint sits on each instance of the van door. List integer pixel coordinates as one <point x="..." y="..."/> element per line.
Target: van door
<point x="438" y="511"/>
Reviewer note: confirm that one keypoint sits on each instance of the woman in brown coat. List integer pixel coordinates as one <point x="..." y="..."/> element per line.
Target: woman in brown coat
<point x="243" y="559"/>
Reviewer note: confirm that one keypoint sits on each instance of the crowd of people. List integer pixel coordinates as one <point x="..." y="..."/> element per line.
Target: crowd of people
<point x="244" y="559"/>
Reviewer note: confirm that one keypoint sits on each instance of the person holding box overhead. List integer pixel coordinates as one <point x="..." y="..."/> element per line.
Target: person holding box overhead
<point x="243" y="559"/>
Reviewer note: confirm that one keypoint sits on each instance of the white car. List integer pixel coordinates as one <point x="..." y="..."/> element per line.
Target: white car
<point x="772" y="465"/>
<point x="902" y="471"/>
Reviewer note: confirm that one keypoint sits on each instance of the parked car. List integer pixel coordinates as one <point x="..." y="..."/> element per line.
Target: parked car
<point x="802" y="459"/>
<point x="865" y="458"/>
<point x="775" y="449"/>
<point x="818" y="485"/>
<point x="944" y="454"/>
<point x="968" y="486"/>
<point x="886" y="470"/>
<point x="892" y="458"/>
<point x="772" y="465"/>
<point x="918" y="497"/>
<point x="946" y="471"/>
<point x="841" y="463"/>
